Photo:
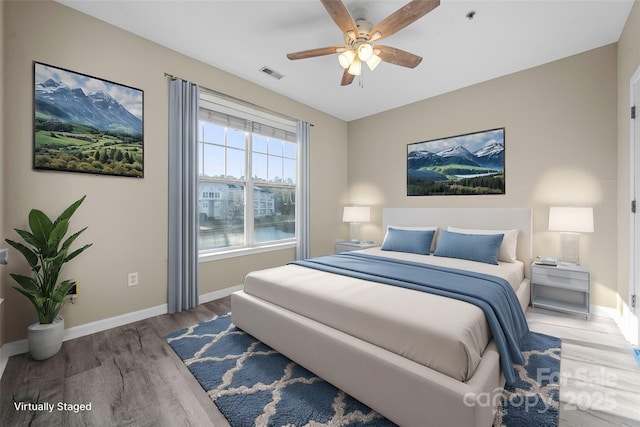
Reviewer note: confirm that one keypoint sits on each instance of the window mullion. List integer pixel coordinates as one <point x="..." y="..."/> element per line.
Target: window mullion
<point x="249" y="220"/>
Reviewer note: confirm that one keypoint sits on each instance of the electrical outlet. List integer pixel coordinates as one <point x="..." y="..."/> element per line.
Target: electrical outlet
<point x="133" y="279"/>
<point x="4" y="256"/>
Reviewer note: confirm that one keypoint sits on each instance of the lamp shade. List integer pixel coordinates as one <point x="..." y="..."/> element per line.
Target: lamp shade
<point x="355" y="69"/>
<point x="346" y="58"/>
<point x="574" y="220"/>
<point x="365" y="51"/>
<point x="373" y="61"/>
<point x="356" y="214"/>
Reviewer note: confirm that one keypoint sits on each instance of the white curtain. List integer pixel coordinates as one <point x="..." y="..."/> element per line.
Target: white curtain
<point x="183" y="196"/>
<point x="303" y="203"/>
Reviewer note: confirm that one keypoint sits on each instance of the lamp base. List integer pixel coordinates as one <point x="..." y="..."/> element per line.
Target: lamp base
<point x="570" y="243"/>
<point x="354" y="231"/>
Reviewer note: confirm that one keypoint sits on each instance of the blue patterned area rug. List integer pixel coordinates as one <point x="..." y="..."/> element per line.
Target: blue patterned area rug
<point x="533" y="399"/>
<point x="254" y="385"/>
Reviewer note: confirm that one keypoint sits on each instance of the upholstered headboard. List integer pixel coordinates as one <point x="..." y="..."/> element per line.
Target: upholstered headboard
<point x="479" y="218"/>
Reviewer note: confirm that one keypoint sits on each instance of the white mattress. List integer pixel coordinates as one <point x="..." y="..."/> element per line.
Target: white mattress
<point x="444" y="334"/>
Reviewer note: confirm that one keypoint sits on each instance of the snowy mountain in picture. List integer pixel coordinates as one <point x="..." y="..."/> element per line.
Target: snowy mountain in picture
<point x="458" y="155"/>
<point x="57" y="101"/>
<point x="490" y="156"/>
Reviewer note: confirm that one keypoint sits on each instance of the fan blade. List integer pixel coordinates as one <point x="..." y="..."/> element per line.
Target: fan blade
<point x="346" y="78"/>
<point x="398" y="57"/>
<point x="341" y="17"/>
<point x="402" y="17"/>
<point x="321" y="51"/>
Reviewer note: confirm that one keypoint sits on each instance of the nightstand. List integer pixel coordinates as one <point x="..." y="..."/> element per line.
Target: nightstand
<point x="563" y="288"/>
<point x="350" y="245"/>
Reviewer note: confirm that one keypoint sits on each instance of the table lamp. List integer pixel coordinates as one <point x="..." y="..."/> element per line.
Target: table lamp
<point x="570" y="222"/>
<point x="355" y="215"/>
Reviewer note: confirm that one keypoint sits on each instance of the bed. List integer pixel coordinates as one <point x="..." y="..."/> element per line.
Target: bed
<point x="368" y="339"/>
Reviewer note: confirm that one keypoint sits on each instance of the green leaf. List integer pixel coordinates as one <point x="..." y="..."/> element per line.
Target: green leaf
<point x="57" y="234"/>
<point x="28" y="283"/>
<point x="71" y="239"/>
<point x="40" y="225"/>
<point x="66" y="215"/>
<point x="62" y="290"/>
<point x="28" y="237"/>
<point x="27" y="253"/>
<point x="36" y="299"/>
<point x="51" y="268"/>
<point x="58" y="258"/>
<point x="77" y="252"/>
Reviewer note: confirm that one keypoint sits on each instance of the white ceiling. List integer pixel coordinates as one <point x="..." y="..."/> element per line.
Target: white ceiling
<point x="242" y="36"/>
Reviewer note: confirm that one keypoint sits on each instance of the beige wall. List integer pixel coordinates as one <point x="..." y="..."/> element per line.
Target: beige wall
<point x="628" y="63"/>
<point x="127" y="218"/>
<point x="560" y="140"/>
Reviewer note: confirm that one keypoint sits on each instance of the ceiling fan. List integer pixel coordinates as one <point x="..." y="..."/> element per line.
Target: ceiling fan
<point x="360" y="36"/>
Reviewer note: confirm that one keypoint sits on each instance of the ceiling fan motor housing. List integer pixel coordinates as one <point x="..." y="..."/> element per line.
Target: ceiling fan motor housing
<point x="363" y="36"/>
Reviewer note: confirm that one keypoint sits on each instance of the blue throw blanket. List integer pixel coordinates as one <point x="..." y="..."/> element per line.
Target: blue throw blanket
<point x="492" y="294"/>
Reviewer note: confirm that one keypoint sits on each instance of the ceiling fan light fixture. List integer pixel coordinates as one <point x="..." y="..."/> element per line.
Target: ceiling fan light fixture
<point x="365" y="50"/>
<point x="355" y="69"/>
<point x="373" y="61"/>
<point x="346" y="58"/>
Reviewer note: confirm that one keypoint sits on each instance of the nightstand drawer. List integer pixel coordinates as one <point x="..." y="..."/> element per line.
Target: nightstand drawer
<point x="567" y="279"/>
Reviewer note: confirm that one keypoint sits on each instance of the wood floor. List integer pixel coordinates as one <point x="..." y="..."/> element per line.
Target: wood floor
<point x="132" y="377"/>
<point x="600" y="379"/>
<point x="129" y="374"/>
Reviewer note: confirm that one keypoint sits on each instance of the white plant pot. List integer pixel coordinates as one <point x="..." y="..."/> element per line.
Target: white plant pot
<point x="45" y="340"/>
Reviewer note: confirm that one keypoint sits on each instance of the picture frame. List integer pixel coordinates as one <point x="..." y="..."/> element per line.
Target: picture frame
<point x="468" y="164"/>
<point x="86" y="124"/>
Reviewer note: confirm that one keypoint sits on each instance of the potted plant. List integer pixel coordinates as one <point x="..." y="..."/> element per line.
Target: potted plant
<point x="46" y="251"/>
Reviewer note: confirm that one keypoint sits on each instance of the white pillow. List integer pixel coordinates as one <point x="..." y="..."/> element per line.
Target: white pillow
<point x="433" y="241"/>
<point x="509" y="242"/>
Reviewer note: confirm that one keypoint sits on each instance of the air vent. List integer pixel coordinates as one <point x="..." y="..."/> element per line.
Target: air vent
<point x="276" y="75"/>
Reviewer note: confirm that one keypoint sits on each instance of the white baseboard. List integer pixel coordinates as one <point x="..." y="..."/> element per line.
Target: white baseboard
<point x="614" y="314"/>
<point x="11" y="349"/>
<point x="627" y="326"/>
<point x="21" y="346"/>
<point x="599" y="310"/>
<point x="212" y="296"/>
<point x="627" y="330"/>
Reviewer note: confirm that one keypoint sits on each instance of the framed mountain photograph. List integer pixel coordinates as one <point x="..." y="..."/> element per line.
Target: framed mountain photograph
<point x="471" y="164"/>
<point x="86" y="124"/>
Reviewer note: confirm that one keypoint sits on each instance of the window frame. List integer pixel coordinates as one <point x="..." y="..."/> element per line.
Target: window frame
<point x="250" y="246"/>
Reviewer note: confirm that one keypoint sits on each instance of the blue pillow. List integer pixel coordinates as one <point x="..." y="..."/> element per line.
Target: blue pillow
<point x="412" y="241"/>
<point x="472" y="247"/>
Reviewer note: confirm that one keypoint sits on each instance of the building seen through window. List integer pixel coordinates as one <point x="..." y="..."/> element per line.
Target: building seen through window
<point x="247" y="187"/>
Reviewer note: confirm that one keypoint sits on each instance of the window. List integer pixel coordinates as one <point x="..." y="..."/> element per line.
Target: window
<point x="247" y="169"/>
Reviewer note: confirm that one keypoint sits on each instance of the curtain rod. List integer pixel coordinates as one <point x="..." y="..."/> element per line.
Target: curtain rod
<point x="215" y="92"/>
